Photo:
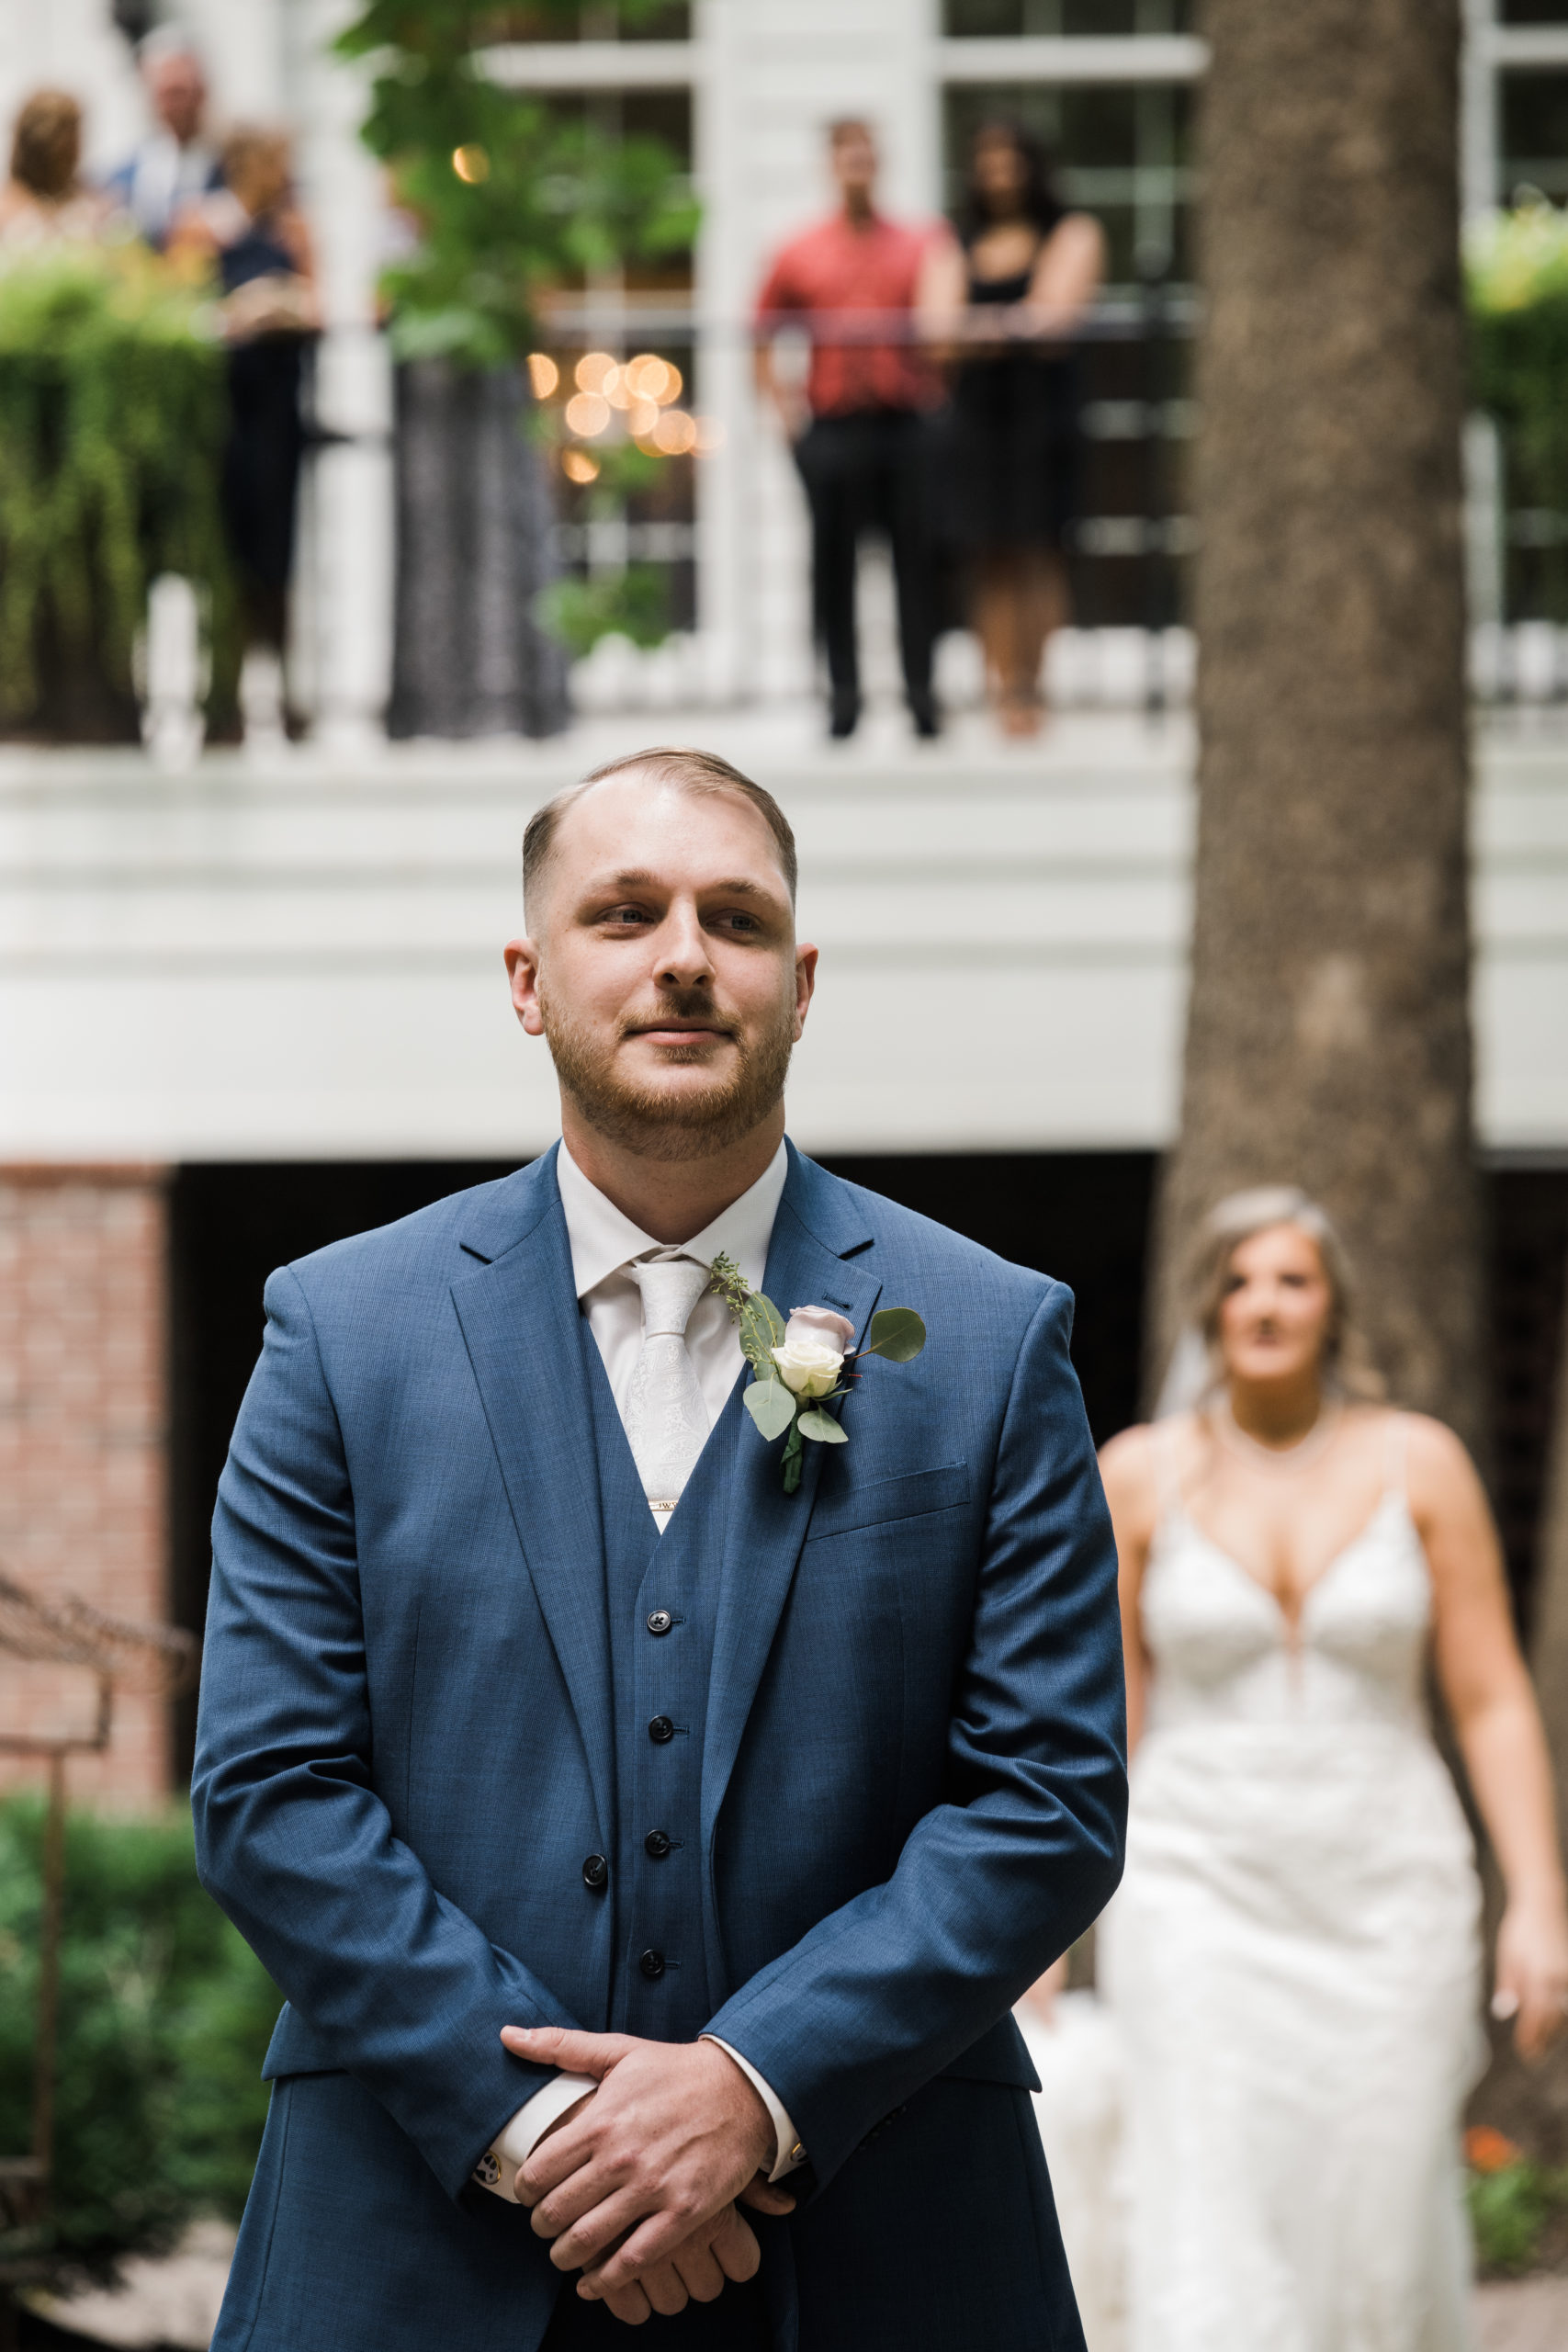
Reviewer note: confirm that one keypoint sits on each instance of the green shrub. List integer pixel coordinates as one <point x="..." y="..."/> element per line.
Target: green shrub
<point x="1511" y="2209"/>
<point x="634" y="603"/>
<point x="164" y="2016"/>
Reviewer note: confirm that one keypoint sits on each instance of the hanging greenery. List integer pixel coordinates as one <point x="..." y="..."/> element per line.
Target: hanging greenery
<point x="509" y="195"/>
<point x="1517" y="284"/>
<point x="112" y="417"/>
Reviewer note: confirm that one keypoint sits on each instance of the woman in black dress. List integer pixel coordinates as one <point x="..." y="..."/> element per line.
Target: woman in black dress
<point x="254" y="235"/>
<point x="1002" y="306"/>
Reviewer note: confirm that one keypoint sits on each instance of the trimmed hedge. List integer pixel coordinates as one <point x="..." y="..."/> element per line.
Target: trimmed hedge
<point x="164" y="2016"/>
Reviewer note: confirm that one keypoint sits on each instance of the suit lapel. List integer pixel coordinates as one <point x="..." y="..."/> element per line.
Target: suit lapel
<point x="816" y="1225"/>
<point x="519" y="1314"/>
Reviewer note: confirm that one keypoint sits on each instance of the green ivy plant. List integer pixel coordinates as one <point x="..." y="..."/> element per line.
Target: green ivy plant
<point x="633" y="603"/>
<point x="510" y="196"/>
<point x="1516" y="287"/>
<point x="113" y="412"/>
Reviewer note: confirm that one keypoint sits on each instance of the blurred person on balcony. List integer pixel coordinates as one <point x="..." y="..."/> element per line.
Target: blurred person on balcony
<point x="1002" y="306"/>
<point x="859" y="430"/>
<point x="175" y="164"/>
<point x="43" y="202"/>
<point x="252" y="233"/>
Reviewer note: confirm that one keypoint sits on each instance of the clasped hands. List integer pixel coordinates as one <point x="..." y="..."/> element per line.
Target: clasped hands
<point x="638" y="2186"/>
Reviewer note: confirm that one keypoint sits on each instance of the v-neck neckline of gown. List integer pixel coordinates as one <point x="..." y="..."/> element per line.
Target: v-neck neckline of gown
<point x="1293" y="1620"/>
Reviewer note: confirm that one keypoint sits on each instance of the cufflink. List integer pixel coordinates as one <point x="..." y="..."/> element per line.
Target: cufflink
<point x="798" y="2153"/>
<point x="486" y="2172"/>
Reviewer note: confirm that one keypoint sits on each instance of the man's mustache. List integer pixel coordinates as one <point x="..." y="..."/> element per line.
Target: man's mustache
<point x="681" y="1011"/>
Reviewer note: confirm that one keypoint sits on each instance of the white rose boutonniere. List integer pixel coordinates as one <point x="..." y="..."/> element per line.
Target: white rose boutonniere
<point x="815" y="1342"/>
<point x="798" y="1367"/>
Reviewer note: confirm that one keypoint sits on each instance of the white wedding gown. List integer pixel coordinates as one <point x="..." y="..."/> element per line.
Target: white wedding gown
<point x="1293" y="1962"/>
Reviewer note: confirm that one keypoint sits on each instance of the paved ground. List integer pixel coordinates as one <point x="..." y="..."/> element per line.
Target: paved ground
<point x="172" y="2305"/>
<point x="1529" y="2317"/>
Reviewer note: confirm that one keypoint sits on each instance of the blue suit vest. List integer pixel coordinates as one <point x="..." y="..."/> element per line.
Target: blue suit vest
<point x="662" y="1603"/>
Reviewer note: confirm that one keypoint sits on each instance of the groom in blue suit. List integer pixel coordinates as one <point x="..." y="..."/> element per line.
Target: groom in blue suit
<point x="651" y="1855"/>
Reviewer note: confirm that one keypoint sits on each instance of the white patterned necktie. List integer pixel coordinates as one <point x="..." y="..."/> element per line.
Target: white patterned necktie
<point x="667" y="1422"/>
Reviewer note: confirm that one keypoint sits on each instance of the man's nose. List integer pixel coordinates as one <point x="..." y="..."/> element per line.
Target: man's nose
<point x="683" y="950"/>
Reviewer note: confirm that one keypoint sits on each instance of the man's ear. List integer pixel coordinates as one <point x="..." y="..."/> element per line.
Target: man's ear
<point x="523" y="971"/>
<point x="805" y="985"/>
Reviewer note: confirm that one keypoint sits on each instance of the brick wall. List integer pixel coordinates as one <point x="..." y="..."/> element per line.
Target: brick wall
<point x="83" y="1437"/>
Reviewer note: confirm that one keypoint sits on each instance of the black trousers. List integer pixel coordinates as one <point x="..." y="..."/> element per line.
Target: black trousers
<point x="870" y="472"/>
<point x="738" y="2322"/>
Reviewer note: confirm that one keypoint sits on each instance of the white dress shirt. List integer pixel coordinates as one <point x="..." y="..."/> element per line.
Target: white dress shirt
<point x="604" y="1242"/>
<point x="165" y="177"/>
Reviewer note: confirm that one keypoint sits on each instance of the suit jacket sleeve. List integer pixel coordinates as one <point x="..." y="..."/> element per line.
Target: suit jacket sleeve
<point x="292" y="1839"/>
<point x="1026" y="1847"/>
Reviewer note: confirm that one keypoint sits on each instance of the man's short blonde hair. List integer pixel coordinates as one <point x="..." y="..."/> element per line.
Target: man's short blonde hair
<point x="687" y="770"/>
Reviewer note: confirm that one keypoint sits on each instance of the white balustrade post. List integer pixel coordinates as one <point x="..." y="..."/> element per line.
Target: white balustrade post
<point x="171" y="721"/>
<point x="349" y="554"/>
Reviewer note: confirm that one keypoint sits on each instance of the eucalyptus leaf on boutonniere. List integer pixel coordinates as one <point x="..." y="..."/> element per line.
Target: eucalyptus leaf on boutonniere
<point x="798" y="1367"/>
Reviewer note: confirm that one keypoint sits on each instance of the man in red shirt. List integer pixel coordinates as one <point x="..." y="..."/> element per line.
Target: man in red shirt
<point x="860" y="435"/>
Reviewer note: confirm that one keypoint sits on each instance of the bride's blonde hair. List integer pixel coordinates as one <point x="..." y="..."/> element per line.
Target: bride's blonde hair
<point x="1347" y="1366"/>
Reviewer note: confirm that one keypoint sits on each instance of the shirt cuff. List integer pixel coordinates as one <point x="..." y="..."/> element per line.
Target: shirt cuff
<point x="497" y="2168"/>
<point x="788" y="2151"/>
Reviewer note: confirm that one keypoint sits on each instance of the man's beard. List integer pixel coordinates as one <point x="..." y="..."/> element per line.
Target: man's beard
<point x="645" y="1119"/>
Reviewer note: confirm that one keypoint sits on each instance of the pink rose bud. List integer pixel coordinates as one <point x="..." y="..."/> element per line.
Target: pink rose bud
<point x="820" y="1323"/>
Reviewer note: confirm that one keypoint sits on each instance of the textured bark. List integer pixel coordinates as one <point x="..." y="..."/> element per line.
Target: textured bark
<point x="474" y="548"/>
<point x="1328" y="1035"/>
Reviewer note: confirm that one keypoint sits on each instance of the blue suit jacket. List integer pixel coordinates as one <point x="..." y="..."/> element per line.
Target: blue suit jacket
<point x="912" y="1783"/>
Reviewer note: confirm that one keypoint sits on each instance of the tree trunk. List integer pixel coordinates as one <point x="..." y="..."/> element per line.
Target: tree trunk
<point x="1329" y="1032"/>
<point x="474" y="531"/>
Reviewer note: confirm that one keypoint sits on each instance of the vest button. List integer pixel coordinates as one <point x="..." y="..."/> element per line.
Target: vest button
<point x="652" y="1965"/>
<point x="657" y="1843"/>
<point x="595" y="1873"/>
<point x="659" y="1621"/>
<point x="660" y="1729"/>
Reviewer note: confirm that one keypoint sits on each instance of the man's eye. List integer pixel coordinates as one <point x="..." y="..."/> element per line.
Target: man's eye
<point x="736" y="921"/>
<point x="623" y="918"/>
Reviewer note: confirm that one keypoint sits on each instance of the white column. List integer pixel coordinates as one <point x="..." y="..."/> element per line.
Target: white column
<point x="242" y="44"/>
<point x="722" y="297"/>
<point x="349" y="554"/>
<point x="1478" y="111"/>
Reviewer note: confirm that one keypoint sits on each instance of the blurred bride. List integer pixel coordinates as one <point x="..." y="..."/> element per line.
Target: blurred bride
<point x="1293" y="1958"/>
